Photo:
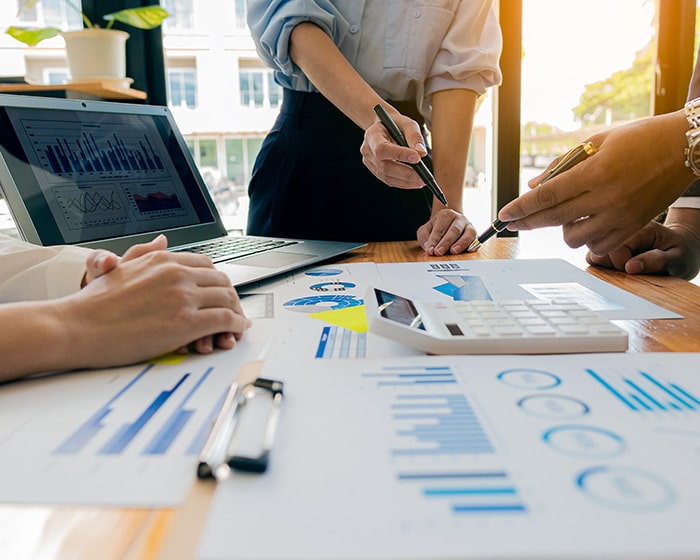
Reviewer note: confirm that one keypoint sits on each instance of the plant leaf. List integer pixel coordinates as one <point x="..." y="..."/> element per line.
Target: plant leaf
<point x="147" y="17"/>
<point x="31" y="35"/>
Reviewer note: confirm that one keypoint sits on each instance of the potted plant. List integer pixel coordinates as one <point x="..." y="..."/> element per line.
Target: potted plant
<point x="94" y="53"/>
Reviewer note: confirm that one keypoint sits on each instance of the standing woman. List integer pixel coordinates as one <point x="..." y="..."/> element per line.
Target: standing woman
<point x="328" y="169"/>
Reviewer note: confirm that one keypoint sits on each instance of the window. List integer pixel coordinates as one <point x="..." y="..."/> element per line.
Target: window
<point x="56" y="76"/>
<point x="240" y="157"/>
<point x="55" y="13"/>
<point x="207" y="154"/>
<point x="240" y="14"/>
<point x="181" y="14"/>
<point x="258" y="88"/>
<point x="182" y="87"/>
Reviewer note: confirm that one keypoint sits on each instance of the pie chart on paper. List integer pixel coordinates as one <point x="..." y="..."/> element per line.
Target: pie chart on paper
<point x="321" y="303"/>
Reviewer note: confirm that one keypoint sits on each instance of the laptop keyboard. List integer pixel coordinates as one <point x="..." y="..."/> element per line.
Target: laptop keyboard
<point x="229" y="248"/>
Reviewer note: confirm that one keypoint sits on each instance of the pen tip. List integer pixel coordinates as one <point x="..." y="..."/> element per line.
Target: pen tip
<point x="473" y="246"/>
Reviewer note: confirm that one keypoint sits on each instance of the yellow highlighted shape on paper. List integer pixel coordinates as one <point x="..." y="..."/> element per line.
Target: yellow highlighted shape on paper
<point x="351" y="318"/>
<point x="172" y="358"/>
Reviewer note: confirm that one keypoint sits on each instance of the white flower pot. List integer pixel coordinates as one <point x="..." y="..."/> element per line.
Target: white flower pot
<point x="96" y="54"/>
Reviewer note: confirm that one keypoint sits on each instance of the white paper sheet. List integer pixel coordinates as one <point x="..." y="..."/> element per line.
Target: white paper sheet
<point x="124" y="436"/>
<point x="473" y="457"/>
<point x="516" y="279"/>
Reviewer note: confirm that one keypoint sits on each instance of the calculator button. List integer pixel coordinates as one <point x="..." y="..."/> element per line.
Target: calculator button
<point x="507" y="330"/>
<point x="573" y="329"/>
<point x="535" y="321"/>
<point x="540" y="329"/>
<point x="523" y="314"/>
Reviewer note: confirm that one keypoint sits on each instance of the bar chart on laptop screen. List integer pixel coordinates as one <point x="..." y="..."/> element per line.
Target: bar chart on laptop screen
<point x="74" y="149"/>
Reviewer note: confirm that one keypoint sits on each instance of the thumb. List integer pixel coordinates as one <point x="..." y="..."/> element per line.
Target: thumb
<point x="650" y="262"/>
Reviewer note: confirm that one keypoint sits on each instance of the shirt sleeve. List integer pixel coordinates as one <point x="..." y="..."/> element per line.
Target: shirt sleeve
<point x="30" y="272"/>
<point x="469" y="53"/>
<point x="271" y="24"/>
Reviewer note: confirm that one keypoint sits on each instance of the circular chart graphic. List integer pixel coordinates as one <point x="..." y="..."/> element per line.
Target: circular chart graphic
<point x="584" y="441"/>
<point x="553" y="406"/>
<point x="529" y="379"/>
<point x="324" y="272"/>
<point x="626" y="488"/>
<point x="318" y="304"/>
<point x="332" y="286"/>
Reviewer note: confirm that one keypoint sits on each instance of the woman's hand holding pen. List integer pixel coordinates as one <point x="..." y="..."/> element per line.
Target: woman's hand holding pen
<point x="636" y="173"/>
<point x="447" y="231"/>
<point x="386" y="159"/>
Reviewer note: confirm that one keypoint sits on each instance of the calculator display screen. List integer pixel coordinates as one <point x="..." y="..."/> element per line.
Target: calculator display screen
<point x="399" y="309"/>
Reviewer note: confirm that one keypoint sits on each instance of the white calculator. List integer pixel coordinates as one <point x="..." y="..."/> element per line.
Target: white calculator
<point x="492" y="327"/>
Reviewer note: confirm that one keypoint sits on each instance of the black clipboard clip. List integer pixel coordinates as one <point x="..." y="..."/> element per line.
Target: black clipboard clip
<point x="243" y="441"/>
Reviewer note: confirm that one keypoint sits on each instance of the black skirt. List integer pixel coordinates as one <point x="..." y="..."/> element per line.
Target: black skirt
<point x="309" y="181"/>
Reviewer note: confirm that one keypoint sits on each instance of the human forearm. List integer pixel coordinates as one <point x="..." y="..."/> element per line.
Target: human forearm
<point x="324" y="65"/>
<point x="452" y="125"/>
<point x="35" y="340"/>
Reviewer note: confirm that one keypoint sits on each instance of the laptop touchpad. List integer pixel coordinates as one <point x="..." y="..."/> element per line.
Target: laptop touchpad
<point x="273" y="259"/>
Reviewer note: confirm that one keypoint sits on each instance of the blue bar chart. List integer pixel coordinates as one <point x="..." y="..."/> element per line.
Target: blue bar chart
<point x="411" y="376"/>
<point x="468" y="492"/>
<point x="139" y="420"/>
<point x="339" y="342"/>
<point x="643" y="392"/>
<point x="86" y="150"/>
<point x="436" y="424"/>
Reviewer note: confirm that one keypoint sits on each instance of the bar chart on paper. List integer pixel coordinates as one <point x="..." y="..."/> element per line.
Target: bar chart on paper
<point x="548" y="457"/>
<point x="144" y="424"/>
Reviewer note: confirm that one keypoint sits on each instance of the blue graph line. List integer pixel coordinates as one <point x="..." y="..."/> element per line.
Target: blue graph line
<point x="129" y="431"/>
<point x="174" y="425"/>
<point x="666" y="390"/>
<point x="468" y="491"/>
<point x="611" y="388"/>
<point x="645" y="394"/>
<point x="323" y="342"/>
<point x="519" y="508"/>
<point x="201" y="438"/>
<point x="458" y="475"/>
<point x="644" y="399"/>
<point x="84" y="434"/>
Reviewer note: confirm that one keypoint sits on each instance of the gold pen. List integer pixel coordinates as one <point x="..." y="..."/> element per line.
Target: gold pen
<point x="575" y="155"/>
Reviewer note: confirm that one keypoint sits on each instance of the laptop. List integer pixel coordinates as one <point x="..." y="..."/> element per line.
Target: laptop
<point x="108" y="175"/>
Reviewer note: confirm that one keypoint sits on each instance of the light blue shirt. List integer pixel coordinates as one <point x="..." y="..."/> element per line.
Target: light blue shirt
<point x="404" y="49"/>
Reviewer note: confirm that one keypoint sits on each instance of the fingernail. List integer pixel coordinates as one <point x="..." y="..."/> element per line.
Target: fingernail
<point x="421" y="147"/>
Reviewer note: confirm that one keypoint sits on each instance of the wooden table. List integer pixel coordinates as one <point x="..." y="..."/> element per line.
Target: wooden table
<point x="110" y="533"/>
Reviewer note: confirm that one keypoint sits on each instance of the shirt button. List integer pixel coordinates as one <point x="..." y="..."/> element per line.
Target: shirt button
<point x="353" y="28"/>
<point x="417" y="13"/>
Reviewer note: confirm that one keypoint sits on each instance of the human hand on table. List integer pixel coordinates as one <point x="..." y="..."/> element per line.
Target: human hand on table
<point x="102" y="262"/>
<point x="447" y="231"/>
<point x="656" y="249"/>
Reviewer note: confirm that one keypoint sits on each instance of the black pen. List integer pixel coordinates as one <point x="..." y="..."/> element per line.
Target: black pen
<point x="420" y="167"/>
<point x="569" y="159"/>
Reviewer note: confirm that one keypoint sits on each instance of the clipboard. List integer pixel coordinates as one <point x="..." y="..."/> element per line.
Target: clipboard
<point x="244" y="431"/>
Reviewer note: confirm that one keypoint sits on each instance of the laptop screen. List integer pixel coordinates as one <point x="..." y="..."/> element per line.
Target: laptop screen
<point x="86" y="173"/>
